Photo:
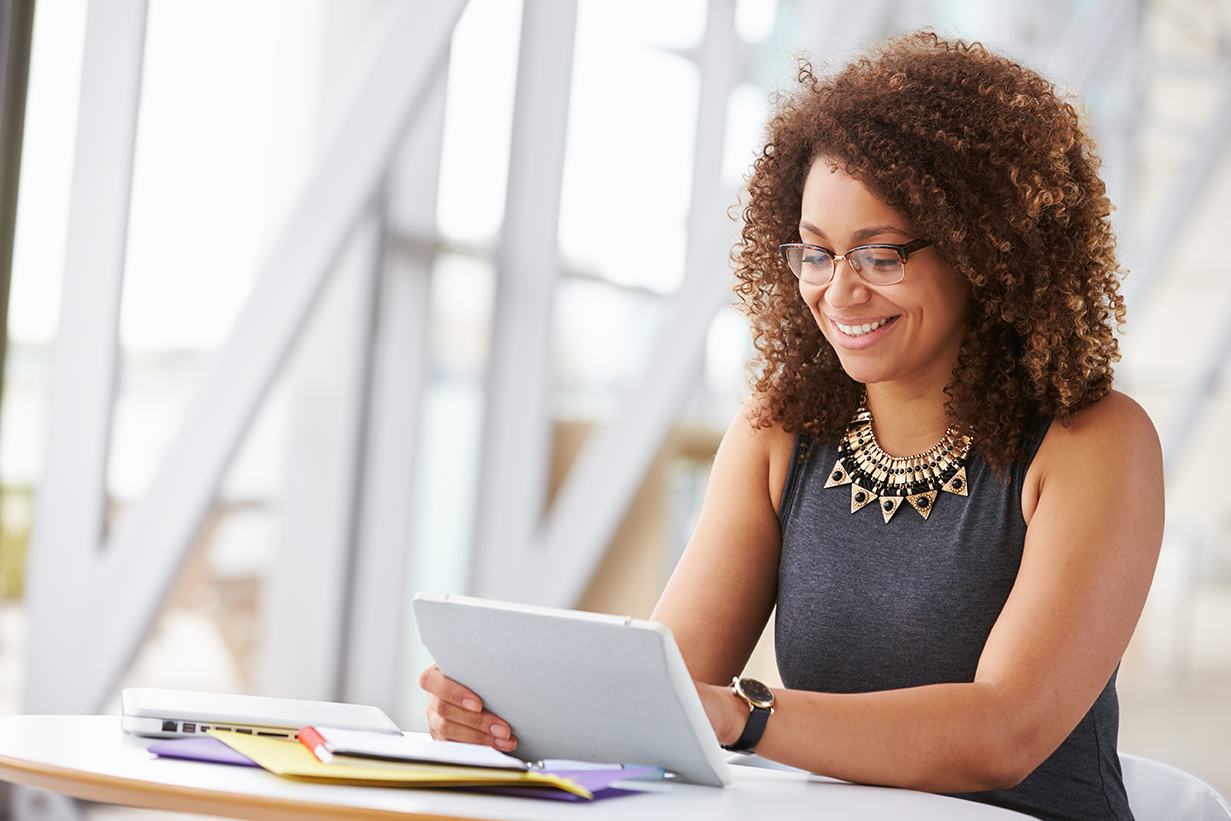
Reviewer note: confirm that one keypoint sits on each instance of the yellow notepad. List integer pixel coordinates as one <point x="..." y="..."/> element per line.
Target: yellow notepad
<point x="293" y="760"/>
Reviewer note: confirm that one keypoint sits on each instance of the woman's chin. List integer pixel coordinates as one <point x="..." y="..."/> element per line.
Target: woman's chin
<point x="862" y="371"/>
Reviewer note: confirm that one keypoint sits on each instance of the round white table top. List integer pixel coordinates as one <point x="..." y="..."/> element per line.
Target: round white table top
<point x="90" y="757"/>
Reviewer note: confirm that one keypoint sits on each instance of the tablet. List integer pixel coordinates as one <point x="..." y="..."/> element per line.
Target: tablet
<point x="574" y="685"/>
<point x="149" y="711"/>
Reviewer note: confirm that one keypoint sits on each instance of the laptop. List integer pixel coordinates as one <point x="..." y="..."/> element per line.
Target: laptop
<point x="574" y="685"/>
<point x="158" y="713"/>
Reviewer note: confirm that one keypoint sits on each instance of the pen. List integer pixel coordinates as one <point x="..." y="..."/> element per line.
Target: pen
<point x="310" y="738"/>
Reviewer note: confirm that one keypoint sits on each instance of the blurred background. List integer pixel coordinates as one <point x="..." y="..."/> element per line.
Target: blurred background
<point x="314" y="304"/>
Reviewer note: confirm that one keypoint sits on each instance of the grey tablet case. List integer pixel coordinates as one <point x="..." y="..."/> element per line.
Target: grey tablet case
<point x="575" y="685"/>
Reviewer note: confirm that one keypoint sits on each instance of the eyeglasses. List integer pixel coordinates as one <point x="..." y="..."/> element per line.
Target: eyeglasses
<point x="879" y="264"/>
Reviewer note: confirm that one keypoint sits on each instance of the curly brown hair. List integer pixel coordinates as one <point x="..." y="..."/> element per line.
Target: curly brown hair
<point x="991" y="162"/>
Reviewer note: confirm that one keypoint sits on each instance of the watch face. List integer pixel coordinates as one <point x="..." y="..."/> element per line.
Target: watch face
<point x="756" y="692"/>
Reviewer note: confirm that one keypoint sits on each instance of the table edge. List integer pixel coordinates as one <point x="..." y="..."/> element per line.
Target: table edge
<point x="153" y="795"/>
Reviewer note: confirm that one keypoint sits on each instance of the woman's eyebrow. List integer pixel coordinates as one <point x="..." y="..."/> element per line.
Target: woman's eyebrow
<point x="879" y="230"/>
<point x="804" y="225"/>
<point x="859" y="236"/>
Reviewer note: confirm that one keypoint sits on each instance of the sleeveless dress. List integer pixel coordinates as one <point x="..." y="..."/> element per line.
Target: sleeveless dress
<point x="865" y="605"/>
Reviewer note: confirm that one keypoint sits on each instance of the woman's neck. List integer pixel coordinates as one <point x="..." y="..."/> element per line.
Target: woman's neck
<point x="907" y="420"/>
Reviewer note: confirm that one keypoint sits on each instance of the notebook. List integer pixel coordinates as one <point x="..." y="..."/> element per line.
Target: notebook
<point x="574" y="685"/>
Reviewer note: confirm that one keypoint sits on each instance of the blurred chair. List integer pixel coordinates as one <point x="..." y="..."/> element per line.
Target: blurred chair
<point x="1160" y="792"/>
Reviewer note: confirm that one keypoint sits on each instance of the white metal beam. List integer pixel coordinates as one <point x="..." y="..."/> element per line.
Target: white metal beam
<point x="610" y="468"/>
<point x="568" y="546"/>
<point x="517" y="432"/>
<point x="72" y="499"/>
<point x="1080" y="51"/>
<point x="1176" y="212"/>
<point x="1195" y="396"/>
<point x="1097" y="46"/>
<point x="830" y="28"/>
<point x="305" y="601"/>
<point x="378" y="609"/>
<point x="71" y="511"/>
<point x="1119" y="126"/>
<point x="150" y="541"/>
<point x="720" y="70"/>
<point x="605" y="478"/>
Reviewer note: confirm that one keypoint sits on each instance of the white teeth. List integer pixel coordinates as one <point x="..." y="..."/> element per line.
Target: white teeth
<point x="860" y="330"/>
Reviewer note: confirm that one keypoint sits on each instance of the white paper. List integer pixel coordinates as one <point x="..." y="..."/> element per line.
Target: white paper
<point x="405" y="748"/>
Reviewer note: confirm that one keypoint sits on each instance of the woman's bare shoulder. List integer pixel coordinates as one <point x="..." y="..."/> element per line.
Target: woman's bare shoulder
<point x="768" y="439"/>
<point x="755" y="420"/>
<point x="1115" y="420"/>
<point x="1111" y="442"/>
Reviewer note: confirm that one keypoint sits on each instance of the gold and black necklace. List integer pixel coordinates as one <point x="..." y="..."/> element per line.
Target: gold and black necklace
<point x="875" y="476"/>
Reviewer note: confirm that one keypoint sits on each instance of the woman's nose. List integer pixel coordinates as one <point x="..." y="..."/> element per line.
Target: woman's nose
<point x="846" y="288"/>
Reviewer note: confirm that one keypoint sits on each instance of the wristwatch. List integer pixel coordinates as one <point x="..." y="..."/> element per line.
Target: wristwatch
<point x="760" y="701"/>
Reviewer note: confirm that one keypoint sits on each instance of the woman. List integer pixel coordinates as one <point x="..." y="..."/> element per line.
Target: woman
<point x="955" y="515"/>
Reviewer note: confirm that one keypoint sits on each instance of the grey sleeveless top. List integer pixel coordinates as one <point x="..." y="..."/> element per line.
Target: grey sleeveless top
<point x="865" y="605"/>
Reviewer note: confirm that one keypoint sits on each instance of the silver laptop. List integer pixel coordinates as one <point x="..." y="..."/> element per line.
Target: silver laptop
<point x="149" y="711"/>
<point x="574" y="685"/>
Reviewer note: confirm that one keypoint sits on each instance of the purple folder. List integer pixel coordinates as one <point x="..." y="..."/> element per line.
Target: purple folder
<point x="598" y="782"/>
<point x="202" y="748"/>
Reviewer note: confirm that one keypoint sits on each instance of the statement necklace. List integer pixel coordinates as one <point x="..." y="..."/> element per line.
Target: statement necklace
<point x="875" y="476"/>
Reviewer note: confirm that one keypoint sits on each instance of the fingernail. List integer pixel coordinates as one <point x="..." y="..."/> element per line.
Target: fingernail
<point x="500" y="731"/>
<point x="471" y="705"/>
<point x="506" y="743"/>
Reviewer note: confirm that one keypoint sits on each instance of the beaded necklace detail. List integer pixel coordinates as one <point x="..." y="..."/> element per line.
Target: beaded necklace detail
<point x="875" y="476"/>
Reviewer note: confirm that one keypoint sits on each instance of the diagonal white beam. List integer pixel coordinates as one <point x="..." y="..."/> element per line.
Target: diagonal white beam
<point x="305" y="600"/>
<point x="151" y="540"/>
<point x="1176" y="213"/>
<point x="1121" y="121"/>
<point x="1194" y="397"/>
<point x="1082" y="49"/>
<point x="71" y="510"/>
<point x="601" y="485"/>
<point x="829" y="28"/>
<point x="569" y="544"/>
<point x="517" y="425"/>
<point x="378" y="611"/>
<point x="720" y="67"/>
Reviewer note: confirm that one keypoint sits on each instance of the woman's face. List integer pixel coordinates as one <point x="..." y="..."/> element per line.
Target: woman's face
<point x="915" y="328"/>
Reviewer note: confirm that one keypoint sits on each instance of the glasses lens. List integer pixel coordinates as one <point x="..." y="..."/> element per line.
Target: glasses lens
<point x="812" y="265"/>
<point x="879" y="266"/>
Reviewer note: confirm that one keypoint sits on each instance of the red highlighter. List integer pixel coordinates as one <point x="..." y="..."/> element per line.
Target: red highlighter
<point x="310" y="738"/>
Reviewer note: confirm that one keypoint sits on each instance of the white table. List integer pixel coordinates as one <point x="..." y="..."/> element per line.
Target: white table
<point x="90" y="757"/>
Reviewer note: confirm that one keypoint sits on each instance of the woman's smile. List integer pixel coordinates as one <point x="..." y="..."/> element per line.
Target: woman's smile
<point x="860" y="331"/>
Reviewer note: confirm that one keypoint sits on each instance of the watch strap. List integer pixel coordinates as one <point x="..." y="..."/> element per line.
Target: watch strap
<point x="753" y="730"/>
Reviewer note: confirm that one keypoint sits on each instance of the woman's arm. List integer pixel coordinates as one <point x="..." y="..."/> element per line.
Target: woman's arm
<point x="1094" y="508"/>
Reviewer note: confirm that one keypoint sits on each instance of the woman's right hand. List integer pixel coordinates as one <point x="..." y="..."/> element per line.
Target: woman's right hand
<point x="456" y="714"/>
